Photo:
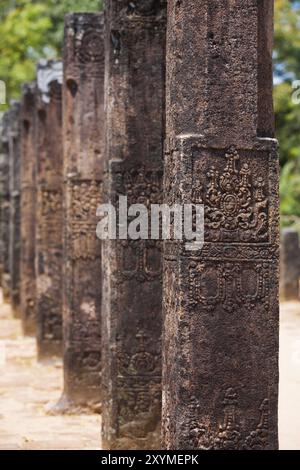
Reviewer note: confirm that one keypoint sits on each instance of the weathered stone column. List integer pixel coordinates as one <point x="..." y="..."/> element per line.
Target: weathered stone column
<point x="131" y="312"/>
<point x="83" y="102"/>
<point x="2" y="183"/>
<point x="14" y="139"/>
<point x="5" y="205"/>
<point x="289" y="265"/>
<point x="28" y="208"/>
<point x="49" y="224"/>
<point x="220" y="367"/>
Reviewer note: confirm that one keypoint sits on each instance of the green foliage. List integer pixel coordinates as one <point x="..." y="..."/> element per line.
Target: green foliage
<point x="287" y="113"/>
<point x="287" y="37"/>
<point x="57" y="9"/>
<point x="22" y="41"/>
<point x="290" y="195"/>
<point x="29" y="30"/>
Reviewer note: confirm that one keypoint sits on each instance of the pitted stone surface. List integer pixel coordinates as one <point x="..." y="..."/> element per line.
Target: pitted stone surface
<point x="83" y="140"/>
<point x="220" y="367"/>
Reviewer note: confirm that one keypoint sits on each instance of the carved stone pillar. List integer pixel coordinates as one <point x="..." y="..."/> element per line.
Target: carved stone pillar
<point x="131" y="312"/>
<point x="289" y="265"/>
<point x="28" y="209"/>
<point x="14" y="219"/>
<point x="220" y="367"/>
<point x="2" y="183"/>
<point x="49" y="226"/>
<point x="83" y="97"/>
<point x="5" y="205"/>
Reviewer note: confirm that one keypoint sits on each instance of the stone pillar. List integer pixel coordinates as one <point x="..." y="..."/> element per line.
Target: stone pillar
<point x="5" y="206"/>
<point x="132" y="291"/>
<point x="28" y="208"/>
<point x="49" y="224"/>
<point x="83" y="103"/>
<point x="14" y="140"/>
<point x="220" y="366"/>
<point x="289" y="265"/>
<point x="2" y="183"/>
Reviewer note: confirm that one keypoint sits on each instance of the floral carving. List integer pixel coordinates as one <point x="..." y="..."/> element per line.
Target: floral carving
<point x="236" y="205"/>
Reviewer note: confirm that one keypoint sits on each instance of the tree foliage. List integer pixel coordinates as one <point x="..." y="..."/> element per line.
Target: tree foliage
<point x="287" y="112"/>
<point x="29" y="30"/>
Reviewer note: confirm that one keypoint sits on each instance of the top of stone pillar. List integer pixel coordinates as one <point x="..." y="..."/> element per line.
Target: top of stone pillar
<point x="28" y="96"/>
<point x="219" y="82"/>
<point x="136" y="9"/>
<point x="15" y="107"/>
<point x="82" y="32"/>
<point x="48" y="71"/>
<point x="5" y="125"/>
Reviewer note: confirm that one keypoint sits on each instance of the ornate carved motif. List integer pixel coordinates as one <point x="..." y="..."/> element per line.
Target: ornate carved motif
<point x="141" y="185"/>
<point x="85" y="244"/>
<point x="236" y="205"/>
<point x="141" y="361"/>
<point x="85" y="198"/>
<point x="89" y="50"/>
<point x="136" y="399"/>
<point x="139" y="260"/>
<point x="258" y="439"/>
<point x="228" y="284"/>
<point x="143" y="7"/>
<point x="230" y="435"/>
<point x="51" y="203"/>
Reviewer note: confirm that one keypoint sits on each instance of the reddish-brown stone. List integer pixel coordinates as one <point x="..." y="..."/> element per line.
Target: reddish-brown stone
<point x="131" y="312"/>
<point x="83" y="119"/>
<point x="5" y="205"/>
<point x="289" y="265"/>
<point x="49" y="223"/>
<point x="220" y="366"/>
<point x="14" y="219"/>
<point x="28" y="208"/>
<point x="3" y="159"/>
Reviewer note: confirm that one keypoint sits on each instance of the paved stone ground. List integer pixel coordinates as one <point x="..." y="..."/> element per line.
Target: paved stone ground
<point x="28" y="390"/>
<point x="289" y="394"/>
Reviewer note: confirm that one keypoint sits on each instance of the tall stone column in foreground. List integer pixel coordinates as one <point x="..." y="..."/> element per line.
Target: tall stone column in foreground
<point x="28" y="208"/>
<point x="83" y="102"/>
<point x="131" y="312"/>
<point x="14" y="142"/>
<point x="49" y="226"/>
<point x="5" y="205"/>
<point x="220" y="367"/>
